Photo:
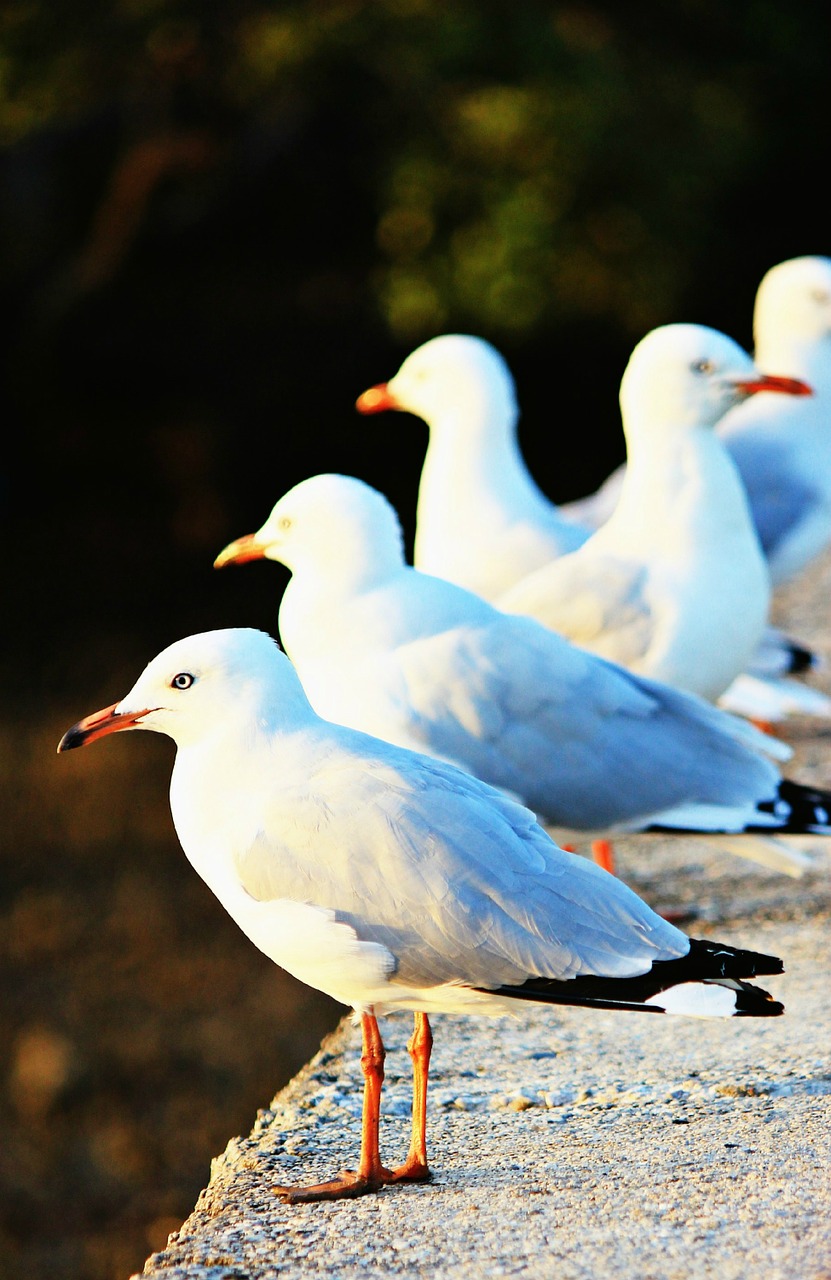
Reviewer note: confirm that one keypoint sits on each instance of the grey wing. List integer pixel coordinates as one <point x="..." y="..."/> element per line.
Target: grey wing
<point x="595" y="599"/>
<point x="457" y="882"/>
<point x="779" y="496"/>
<point x="582" y="741"/>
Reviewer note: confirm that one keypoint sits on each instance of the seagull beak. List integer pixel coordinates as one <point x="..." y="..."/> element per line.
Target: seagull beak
<point x="98" y="724"/>
<point x="376" y="399"/>
<point x="770" y="382"/>
<point x="240" y="551"/>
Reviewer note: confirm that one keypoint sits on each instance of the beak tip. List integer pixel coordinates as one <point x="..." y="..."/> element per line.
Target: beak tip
<point x="239" y="552"/>
<point x="374" y="399"/>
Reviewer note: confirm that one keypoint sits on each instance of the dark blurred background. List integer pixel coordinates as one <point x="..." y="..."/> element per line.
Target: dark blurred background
<point x="218" y="225"/>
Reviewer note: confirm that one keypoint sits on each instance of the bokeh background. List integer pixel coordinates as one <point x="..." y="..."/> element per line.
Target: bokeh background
<point x="219" y="223"/>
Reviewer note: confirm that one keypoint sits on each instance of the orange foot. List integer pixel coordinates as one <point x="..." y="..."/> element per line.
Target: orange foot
<point x="351" y="1184"/>
<point x="766" y="726"/>
<point x="604" y="854"/>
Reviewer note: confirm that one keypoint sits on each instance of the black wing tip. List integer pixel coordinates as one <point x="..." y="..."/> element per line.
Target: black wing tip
<point x="801" y="659"/>
<point x="714" y="959"/>
<point x="751" y="1002"/>
<point x="800" y="809"/>
<point x="705" y="962"/>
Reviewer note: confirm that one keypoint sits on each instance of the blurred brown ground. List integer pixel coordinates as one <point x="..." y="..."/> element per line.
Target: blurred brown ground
<point x="141" y="1028"/>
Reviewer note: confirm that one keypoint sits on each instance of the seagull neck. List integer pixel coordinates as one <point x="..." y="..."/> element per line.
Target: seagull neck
<point x="480" y="450"/>
<point x="471" y="426"/>
<point x="658" y="468"/>
<point x="809" y="360"/>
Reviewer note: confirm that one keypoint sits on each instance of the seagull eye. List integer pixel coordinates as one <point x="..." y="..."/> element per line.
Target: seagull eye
<point x="183" y="680"/>
<point x="285" y="523"/>
<point x="820" y="295"/>
<point x="703" y="366"/>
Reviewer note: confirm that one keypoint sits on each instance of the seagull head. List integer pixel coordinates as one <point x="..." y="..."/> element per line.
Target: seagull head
<point x="689" y="375"/>
<point x="792" y="316"/>
<point x="202" y="685"/>
<point x="453" y="379"/>
<point x="329" y="524"/>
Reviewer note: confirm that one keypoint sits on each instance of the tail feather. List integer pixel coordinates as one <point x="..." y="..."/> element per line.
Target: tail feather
<point x="707" y="982"/>
<point x="773" y="698"/>
<point x="801" y="808"/>
<point x="796" y="809"/>
<point x="800" y="658"/>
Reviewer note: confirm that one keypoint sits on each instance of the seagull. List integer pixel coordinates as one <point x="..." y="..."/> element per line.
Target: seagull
<point x="674" y="585"/>
<point x="391" y="881"/>
<point x="417" y="661"/>
<point x="782" y="447"/>
<point x="481" y="520"/>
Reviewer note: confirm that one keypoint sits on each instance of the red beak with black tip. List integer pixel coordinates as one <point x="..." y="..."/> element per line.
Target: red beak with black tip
<point x="240" y="551"/>
<point x="771" y="382"/>
<point x="376" y="399"/>
<point x="98" y="724"/>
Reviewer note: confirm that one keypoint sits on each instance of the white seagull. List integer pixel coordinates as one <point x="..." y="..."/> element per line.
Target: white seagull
<point x="392" y="881"/>
<point x="674" y="585"/>
<point x="782" y="447"/>
<point x="481" y="520"/>
<point x="420" y="662"/>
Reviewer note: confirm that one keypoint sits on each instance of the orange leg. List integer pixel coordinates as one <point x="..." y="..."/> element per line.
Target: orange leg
<point x="602" y="852"/>
<point x="604" y="855"/>
<point x="371" y="1174"/>
<point x="420" y="1046"/>
<point x="766" y="726"/>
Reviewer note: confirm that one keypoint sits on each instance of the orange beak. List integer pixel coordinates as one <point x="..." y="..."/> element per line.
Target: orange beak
<point x="770" y="382"/>
<point x="98" y="724"/>
<point x="240" y="551"/>
<point x="376" y="399"/>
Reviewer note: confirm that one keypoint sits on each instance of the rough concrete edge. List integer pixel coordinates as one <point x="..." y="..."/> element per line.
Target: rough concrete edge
<point x="235" y="1162"/>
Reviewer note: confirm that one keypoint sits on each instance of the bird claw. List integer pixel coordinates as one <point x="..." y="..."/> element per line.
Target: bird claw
<point x="350" y="1184"/>
<point x="410" y="1171"/>
<point x="346" y="1187"/>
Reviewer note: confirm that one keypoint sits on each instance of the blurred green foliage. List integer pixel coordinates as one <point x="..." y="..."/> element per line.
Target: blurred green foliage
<point x="523" y="163"/>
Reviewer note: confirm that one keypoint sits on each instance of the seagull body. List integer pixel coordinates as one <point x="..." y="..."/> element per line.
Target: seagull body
<point x="420" y="662"/>
<point x="481" y="520"/>
<point x="782" y="448"/>
<point x="675" y="584"/>
<point x="393" y="881"/>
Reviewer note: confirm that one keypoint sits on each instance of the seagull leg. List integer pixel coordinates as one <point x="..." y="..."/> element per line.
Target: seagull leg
<point x="604" y="854"/>
<point x="419" y="1047"/>
<point x="370" y="1174"/>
